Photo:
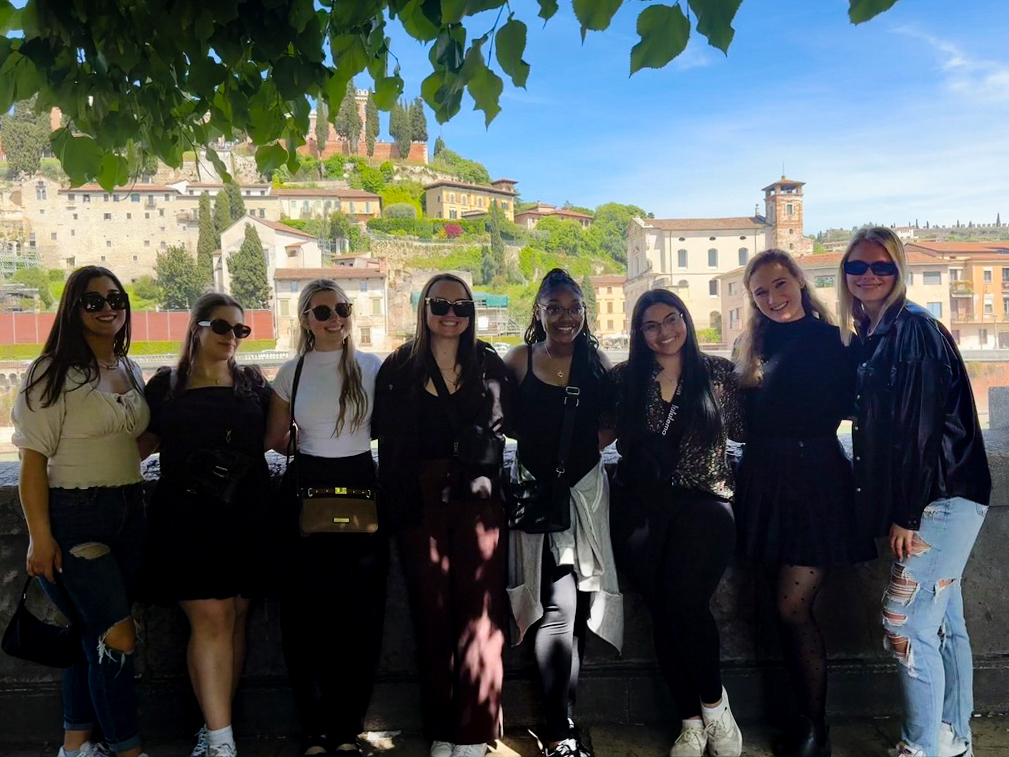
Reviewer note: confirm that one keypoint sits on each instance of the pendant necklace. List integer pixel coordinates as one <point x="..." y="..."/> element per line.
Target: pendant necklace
<point x="560" y="374"/>
<point x="108" y="366"/>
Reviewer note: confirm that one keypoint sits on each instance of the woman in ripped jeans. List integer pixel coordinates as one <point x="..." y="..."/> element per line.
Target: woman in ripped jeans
<point x="920" y="467"/>
<point x="77" y="417"/>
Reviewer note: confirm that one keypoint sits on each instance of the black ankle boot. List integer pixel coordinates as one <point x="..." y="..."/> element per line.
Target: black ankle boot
<point x="806" y="738"/>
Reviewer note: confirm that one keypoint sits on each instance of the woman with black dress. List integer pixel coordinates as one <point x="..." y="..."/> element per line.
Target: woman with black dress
<point x="333" y="602"/>
<point x="209" y="414"/>
<point x="673" y="531"/>
<point x="794" y="494"/>
<point x="563" y="583"/>
<point x="439" y="416"/>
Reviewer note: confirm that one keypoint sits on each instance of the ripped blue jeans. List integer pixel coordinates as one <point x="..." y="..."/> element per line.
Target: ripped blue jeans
<point x="925" y="628"/>
<point x="101" y="533"/>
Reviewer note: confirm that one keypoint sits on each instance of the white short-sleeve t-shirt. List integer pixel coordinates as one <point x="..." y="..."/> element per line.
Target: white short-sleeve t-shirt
<point x="318" y="403"/>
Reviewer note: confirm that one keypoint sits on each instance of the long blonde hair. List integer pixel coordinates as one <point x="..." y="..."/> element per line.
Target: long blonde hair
<point x="749" y="365"/>
<point x="352" y="386"/>
<point x="850" y="312"/>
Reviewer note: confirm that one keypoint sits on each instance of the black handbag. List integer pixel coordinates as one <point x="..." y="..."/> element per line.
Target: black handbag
<point x="215" y="474"/>
<point x="29" y="638"/>
<point x="477" y="449"/>
<point x="329" y="508"/>
<point x="544" y="507"/>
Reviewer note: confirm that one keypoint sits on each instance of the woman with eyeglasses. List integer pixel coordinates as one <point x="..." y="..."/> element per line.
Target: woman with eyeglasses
<point x="208" y="421"/>
<point x="563" y="584"/>
<point x="673" y="529"/>
<point x="333" y="603"/>
<point x="794" y="496"/>
<point x="920" y="467"/>
<point x="76" y="418"/>
<point x="439" y="418"/>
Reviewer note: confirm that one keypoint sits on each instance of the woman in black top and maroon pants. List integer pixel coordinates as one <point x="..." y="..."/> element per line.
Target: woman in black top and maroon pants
<point x="447" y="514"/>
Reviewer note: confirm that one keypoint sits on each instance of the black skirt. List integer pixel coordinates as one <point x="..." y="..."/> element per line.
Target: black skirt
<point x="795" y="504"/>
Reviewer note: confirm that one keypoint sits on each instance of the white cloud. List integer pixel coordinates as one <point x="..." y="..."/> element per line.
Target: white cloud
<point x="972" y="77"/>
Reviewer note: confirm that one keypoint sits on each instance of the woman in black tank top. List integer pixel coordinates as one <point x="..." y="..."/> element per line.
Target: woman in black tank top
<point x="555" y="580"/>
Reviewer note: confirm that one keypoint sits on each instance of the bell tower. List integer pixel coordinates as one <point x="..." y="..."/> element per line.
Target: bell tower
<point x="783" y="210"/>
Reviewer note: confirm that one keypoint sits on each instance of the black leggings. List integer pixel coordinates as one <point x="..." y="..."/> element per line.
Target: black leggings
<point x="674" y="545"/>
<point x="560" y="643"/>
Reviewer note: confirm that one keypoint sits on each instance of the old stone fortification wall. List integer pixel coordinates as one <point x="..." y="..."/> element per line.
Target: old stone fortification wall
<point x="614" y="688"/>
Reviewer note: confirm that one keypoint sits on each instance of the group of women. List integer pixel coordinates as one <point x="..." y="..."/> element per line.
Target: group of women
<point x="670" y="516"/>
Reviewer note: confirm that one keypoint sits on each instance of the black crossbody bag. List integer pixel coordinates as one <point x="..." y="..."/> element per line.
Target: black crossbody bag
<point x="30" y="638"/>
<point x="329" y="508"/>
<point x="544" y="507"/>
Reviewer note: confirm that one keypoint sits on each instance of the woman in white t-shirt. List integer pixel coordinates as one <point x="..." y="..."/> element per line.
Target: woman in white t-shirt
<point x="334" y="600"/>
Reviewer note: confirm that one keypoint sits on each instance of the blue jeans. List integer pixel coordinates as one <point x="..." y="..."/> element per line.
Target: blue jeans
<point x="925" y="627"/>
<point x="100" y="532"/>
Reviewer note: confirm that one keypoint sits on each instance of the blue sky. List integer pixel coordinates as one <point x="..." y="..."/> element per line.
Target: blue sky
<point x="905" y="117"/>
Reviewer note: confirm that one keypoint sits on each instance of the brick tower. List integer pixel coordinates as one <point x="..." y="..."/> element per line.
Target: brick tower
<point x="783" y="210"/>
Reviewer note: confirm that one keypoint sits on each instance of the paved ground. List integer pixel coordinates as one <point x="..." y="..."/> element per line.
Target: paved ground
<point x="851" y="739"/>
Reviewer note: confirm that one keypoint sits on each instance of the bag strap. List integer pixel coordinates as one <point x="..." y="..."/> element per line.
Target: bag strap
<point x="572" y="398"/>
<point x="292" y="439"/>
<point x="443" y="394"/>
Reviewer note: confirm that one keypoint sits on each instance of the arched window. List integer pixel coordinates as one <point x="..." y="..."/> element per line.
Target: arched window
<point x="682" y="284"/>
<point x="681" y="258"/>
<point x="744" y="255"/>
<point x="713" y="287"/>
<point x="712" y="258"/>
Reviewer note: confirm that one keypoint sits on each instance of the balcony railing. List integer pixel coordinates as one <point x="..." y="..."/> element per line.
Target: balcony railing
<point x="961" y="288"/>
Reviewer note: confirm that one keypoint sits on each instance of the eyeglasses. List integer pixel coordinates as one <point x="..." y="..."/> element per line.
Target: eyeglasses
<point x="325" y="312"/>
<point x="880" y="268"/>
<point x="441" y="306"/>
<point x="556" y="311"/>
<point x="222" y="327"/>
<point x="670" y="321"/>
<point x="92" y="302"/>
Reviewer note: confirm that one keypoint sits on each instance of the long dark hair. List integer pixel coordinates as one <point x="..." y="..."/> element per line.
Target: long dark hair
<point x="467" y="356"/>
<point x="244" y="379"/>
<point x="66" y="347"/>
<point x="698" y="396"/>
<point x="586" y="344"/>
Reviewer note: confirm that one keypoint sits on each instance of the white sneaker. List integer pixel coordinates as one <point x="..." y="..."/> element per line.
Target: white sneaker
<point x="202" y="744"/>
<point x="950" y="745"/>
<point x="469" y="750"/>
<point x="724" y="736"/>
<point x="222" y="750"/>
<point x="89" y="749"/>
<point x="691" y="742"/>
<point x="903" y="750"/>
<point x="442" y="748"/>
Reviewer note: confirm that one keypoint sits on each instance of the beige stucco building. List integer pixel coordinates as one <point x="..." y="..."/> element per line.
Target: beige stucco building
<point x="611" y="320"/>
<point x="927" y="285"/>
<point x="689" y="255"/>
<point x="321" y="203"/>
<point x="456" y="199"/>
<point x="530" y="217"/>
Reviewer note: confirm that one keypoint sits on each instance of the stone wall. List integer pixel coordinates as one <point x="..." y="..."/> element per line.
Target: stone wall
<point x="615" y="688"/>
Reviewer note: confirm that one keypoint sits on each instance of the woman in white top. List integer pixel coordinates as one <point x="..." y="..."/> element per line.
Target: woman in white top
<point x="76" y="418"/>
<point x="334" y="601"/>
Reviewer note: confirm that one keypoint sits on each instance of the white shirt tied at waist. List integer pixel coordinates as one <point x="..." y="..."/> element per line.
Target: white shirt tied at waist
<point x="585" y="546"/>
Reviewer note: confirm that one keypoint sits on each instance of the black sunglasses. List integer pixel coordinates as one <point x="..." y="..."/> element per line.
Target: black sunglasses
<point x="92" y="302"/>
<point x="325" y="312"/>
<point x="441" y="306"/>
<point x="858" y="267"/>
<point x="222" y="327"/>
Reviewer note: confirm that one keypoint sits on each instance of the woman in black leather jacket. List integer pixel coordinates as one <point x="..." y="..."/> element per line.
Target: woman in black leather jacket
<point x="920" y="465"/>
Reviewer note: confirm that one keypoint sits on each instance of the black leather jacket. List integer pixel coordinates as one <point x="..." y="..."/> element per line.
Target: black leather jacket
<point x="916" y="432"/>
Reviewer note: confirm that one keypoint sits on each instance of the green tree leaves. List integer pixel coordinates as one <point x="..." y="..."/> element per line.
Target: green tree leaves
<point x="179" y="282"/>
<point x="664" y="31"/>
<point x="249" y="282"/>
<point x="211" y="69"/>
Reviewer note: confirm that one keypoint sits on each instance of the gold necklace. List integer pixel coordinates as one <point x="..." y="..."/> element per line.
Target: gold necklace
<point x="108" y="366"/>
<point x="560" y="374"/>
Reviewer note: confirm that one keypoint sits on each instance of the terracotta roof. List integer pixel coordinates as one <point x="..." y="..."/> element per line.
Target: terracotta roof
<point x="283" y="228"/>
<point x="127" y="188"/>
<point x="558" y="212"/>
<point x="309" y="192"/>
<point x="508" y="181"/>
<point x="210" y="185"/>
<point x="833" y="260"/>
<point x="703" y="224"/>
<point x="334" y="272"/>
<point x="785" y="182"/>
<point x="954" y="248"/>
<point x="608" y="280"/>
<point x="463" y="185"/>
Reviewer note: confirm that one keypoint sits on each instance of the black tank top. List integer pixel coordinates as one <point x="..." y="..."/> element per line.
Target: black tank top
<point x="541" y="412"/>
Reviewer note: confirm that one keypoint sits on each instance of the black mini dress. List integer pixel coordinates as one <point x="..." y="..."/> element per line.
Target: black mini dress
<point x="794" y="498"/>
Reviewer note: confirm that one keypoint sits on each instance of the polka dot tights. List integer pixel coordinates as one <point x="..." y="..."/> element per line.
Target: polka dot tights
<point x="796" y="588"/>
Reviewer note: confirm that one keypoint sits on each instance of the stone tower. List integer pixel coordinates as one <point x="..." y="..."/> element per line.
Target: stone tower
<point x="783" y="210"/>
